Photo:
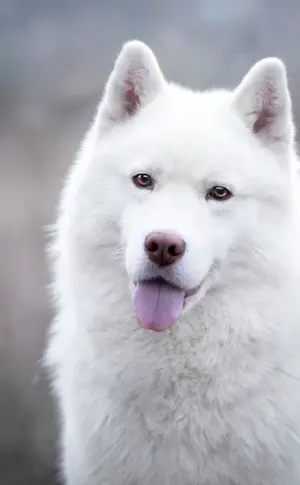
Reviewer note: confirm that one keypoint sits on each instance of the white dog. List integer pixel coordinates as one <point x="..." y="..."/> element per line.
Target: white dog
<point x="176" y="349"/>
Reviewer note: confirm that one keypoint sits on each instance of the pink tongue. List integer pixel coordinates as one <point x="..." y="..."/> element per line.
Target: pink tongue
<point x="157" y="305"/>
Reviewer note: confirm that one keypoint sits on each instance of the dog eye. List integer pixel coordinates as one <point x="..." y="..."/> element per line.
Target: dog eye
<point x="143" y="181"/>
<point x="219" y="193"/>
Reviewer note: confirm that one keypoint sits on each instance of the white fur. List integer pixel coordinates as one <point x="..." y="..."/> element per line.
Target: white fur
<point x="215" y="400"/>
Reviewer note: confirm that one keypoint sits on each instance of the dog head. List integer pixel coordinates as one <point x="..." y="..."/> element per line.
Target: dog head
<point x="190" y="184"/>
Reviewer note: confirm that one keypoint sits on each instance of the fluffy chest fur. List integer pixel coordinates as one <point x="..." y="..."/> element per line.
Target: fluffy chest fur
<point x="181" y="408"/>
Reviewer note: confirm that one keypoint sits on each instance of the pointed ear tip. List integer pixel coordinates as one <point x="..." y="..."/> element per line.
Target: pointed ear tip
<point x="135" y="49"/>
<point x="271" y="65"/>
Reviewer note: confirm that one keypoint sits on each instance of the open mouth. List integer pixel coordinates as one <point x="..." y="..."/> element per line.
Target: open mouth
<point x="158" y="303"/>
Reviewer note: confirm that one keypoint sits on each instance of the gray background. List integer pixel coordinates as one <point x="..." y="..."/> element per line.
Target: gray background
<point x="55" y="56"/>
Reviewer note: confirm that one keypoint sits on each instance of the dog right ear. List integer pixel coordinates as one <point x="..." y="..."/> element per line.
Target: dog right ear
<point x="134" y="82"/>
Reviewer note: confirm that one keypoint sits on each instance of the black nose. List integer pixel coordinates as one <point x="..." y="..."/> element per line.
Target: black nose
<point x="163" y="248"/>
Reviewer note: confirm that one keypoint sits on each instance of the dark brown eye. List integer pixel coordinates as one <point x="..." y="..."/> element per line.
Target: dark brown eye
<point x="219" y="193"/>
<point x="143" y="181"/>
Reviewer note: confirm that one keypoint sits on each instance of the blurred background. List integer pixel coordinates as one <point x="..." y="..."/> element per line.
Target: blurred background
<point x="55" y="56"/>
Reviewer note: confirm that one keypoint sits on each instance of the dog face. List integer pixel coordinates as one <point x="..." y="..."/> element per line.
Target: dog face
<point x="185" y="181"/>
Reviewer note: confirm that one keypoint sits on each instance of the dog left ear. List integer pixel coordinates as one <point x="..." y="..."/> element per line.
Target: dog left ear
<point x="264" y="102"/>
